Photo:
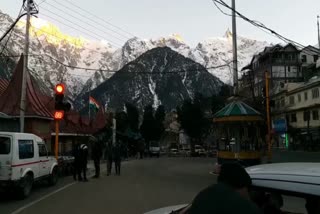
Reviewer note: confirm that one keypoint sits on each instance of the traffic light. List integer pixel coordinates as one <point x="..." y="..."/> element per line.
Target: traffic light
<point x="59" y="96"/>
<point x="58" y="115"/>
<point x="60" y="105"/>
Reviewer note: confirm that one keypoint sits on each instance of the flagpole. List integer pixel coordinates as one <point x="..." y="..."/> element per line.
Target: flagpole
<point x="89" y="100"/>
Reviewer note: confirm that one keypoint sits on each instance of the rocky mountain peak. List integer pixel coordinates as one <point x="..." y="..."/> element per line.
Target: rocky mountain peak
<point x="159" y="76"/>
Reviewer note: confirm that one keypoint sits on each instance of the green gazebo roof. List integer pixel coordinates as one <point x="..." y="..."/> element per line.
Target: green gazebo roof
<point x="237" y="111"/>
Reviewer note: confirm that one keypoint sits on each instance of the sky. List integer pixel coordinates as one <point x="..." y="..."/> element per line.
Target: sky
<point x="194" y="20"/>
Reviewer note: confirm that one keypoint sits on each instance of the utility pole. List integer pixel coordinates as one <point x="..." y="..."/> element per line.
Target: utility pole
<point x="318" y="31"/>
<point x="89" y="104"/>
<point x="268" y="116"/>
<point x="114" y="130"/>
<point x="234" y="49"/>
<point x="25" y="67"/>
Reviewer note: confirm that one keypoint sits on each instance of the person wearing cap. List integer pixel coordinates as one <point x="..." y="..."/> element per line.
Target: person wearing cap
<point x="83" y="156"/>
<point x="96" y="155"/>
<point x="230" y="194"/>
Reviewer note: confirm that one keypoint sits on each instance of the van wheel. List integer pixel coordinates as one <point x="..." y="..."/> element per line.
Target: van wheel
<point x="26" y="186"/>
<point x="53" y="179"/>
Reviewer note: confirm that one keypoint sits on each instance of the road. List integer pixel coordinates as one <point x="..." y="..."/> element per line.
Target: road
<point x="144" y="185"/>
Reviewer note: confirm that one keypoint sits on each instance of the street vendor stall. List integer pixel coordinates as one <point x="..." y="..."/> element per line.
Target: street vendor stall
<point x="238" y="133"/>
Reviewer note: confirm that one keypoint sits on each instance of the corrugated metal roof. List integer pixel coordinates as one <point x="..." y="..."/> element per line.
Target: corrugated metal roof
<point x="3" y="85"/>
<point x="10" y="98"/>
<point x="236" y="108"/>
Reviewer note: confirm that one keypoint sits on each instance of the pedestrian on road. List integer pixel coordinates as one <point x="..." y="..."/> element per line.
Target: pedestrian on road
<point x="83" y="161"/>
<point x="76" y="161"/>
<point x="229" y="196"/>
<point x="96" y="155"/>
<point x="117" y="157"/>
<point x="109" y="157"/>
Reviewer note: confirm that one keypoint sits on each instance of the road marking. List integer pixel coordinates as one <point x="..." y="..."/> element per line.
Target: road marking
<point x="50" y="194"/>
<point x="42" y="198"/>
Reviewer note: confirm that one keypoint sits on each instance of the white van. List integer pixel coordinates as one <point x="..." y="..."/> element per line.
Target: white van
<point x="24" y="159"/>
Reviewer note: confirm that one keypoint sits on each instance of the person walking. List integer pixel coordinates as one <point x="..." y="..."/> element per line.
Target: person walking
<point x="117" y="157"/>
<point x="96" y="155"/>
<point x="76" y="161"/>
<point x="83" y="161"/>
<point x="109" y="157"/>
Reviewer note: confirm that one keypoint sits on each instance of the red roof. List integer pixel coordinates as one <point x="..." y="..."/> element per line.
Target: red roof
<point x="76" y="124"/>
<point x="36" y="105"/>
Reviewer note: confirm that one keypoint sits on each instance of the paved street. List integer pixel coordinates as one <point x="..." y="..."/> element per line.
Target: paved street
<point x="143" y="186"/>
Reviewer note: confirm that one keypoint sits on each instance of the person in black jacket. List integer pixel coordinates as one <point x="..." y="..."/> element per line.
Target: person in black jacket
<point x="229" y="196"/>
<point x="117" y="157"/>
<point x="76" y="161"/>
<point x="83" y="161"/>
<point x="96" y="155"/>
<point x="109" y="157"/>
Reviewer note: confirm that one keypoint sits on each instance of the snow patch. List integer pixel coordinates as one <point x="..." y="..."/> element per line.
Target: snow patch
<point x="152" y="88"/>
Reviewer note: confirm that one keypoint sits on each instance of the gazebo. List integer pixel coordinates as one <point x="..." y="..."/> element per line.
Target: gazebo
<point x="238" y="133"/>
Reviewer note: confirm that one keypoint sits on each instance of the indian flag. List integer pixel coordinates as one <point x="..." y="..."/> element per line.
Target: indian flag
<point x="93" y="103"/>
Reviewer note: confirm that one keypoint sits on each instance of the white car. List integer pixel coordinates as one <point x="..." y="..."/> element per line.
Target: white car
<point x="291" y="183"/>
<point x="199" y="150"/>
<point x="24" y="159"/>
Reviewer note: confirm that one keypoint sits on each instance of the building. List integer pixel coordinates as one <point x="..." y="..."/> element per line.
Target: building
<point x="309" y="55"/>
<point x="295" y="115"/>
<point x="38" y="116"/>
<point x="282" y="62"/>
<point x="310" y="62"/>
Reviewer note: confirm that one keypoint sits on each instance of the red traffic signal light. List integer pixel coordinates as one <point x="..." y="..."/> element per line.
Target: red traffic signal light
<point x="59" y="88"/>
<point x="58" y="115"/>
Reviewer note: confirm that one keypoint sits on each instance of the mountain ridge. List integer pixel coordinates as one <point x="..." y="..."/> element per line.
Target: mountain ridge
<point x="159" y="76"/>
<point x="50" y="49"/>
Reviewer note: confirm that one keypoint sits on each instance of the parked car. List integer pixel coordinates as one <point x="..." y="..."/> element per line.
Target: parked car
<point x="154" y="149"/>
<point x="289" y="185"/>
<point x="173" y="152"/>
<point x="24" y="159"/>
<point x="199" y="150"/>
<point x="185" y="152"/>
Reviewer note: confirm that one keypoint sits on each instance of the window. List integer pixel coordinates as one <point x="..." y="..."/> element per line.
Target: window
<point x="42" y="150"/>
<point x="306" y="95"/>
<point x="299" y="98"/>
<point x="5" y="145"/>
<point x="315" y="58"/>
<point x="291" y="100"/>
<point x="315" y="115"/>
<point x="306" y="115"/>
<point x="282" y="102"/>
<point x="26" y="149"/>
<point x="315" y="93"/>
<point x="286" y="56"/>
<point x="289" y="69"/>
<point x="304" y="58"/>
<point x="293" y="118"/>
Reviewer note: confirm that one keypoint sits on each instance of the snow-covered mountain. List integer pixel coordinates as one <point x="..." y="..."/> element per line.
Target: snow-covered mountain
<point x="158" y="76"/>
<point x="51" y="50"/>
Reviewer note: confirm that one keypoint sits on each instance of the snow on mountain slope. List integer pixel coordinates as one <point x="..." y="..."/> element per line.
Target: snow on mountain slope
<point x="51" y="50"/>
<point x="163" y="85"/>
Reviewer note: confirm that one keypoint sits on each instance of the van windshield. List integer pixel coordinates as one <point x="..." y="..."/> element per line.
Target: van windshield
<point x="5" y="145"/>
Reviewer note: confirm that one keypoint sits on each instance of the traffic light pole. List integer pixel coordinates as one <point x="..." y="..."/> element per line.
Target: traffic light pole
<point x="56" y="144"/>
<point x="268" y="116"/>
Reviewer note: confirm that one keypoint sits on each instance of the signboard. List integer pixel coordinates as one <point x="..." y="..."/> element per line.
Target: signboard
<point x="280" y="125"/>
